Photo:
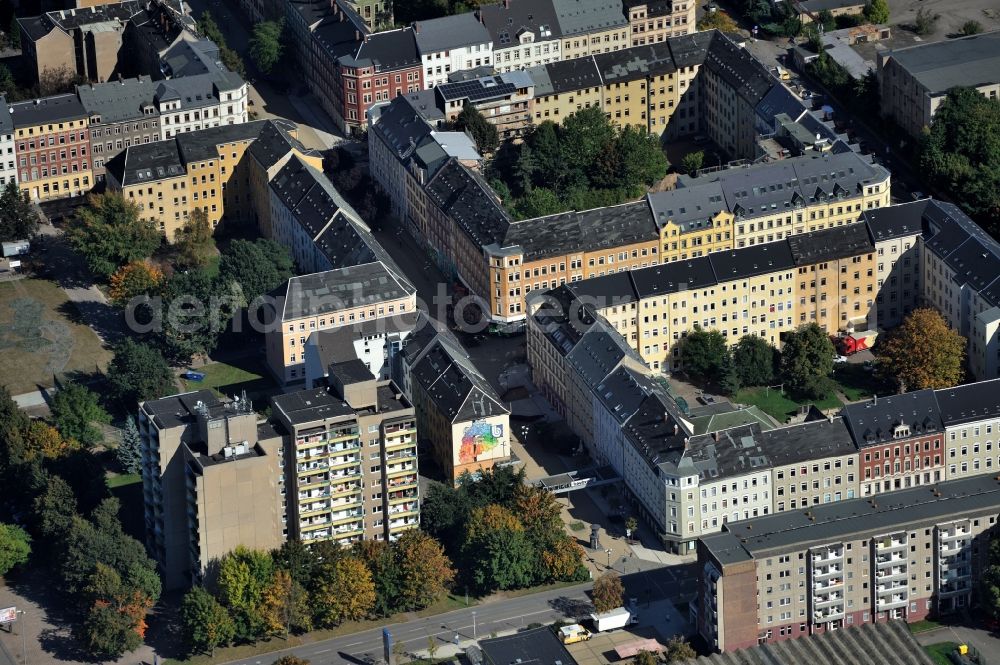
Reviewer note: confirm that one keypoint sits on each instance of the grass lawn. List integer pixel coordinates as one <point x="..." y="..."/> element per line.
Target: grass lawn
<point x="38" y="340"/>
<point x="923" y="626"/>
<point x="780" y="406"/>
<point x="231" y="379"/>
<point x="857" y="383"/>
<point x="123" y="479"/>
<point x="939" y="652"/>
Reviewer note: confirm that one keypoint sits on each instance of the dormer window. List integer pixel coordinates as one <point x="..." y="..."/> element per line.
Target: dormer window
<point x="900" y="431"/>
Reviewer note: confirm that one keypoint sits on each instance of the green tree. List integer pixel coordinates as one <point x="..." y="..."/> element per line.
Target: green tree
<point x="116" y="622"/>
<point x="54" y="509"/>
<point x="827" y="20"/>
<point x="109" y="233"/>
<point x="807" y="361"/>
<point x="138" y="372"/>
<point x="877" y="11"/>
<point x="425" y="571"/>
<point x="285" y="605"/>
<point x="298" y="559"/>
<point x="291" y="660"/>
<point x="922" y="353"/>
<point x="753" y="361"/>
<point x="244" y="574"/>
<point x="483" y="132"/>
<point x="108" y="633"/>
<point x="18" y="218"/>
<point x="498" y="551"/>
<point x="129" y="451"/>
<point x="194" y="242"/>
<point x="257" y="267"/>
<point x="638" y="160"/>
<point x="645" y="658"/>
<point x="539" y="202"/>
<point x="195" y="313"/>
<point x="14" y="34"/>
<point x="381" y="559"/>
<point x="692" y="162"/>
<point x="718" y="20"/>
<point x="343" y="591"/>
<point x="266" y="45"/>
<point x="206" y="623"/>
<point x="609" y="592"/>
<point x="703" y="353"/>
<point x="678" y="650"/>
<point x="76" y="411"/>
<point x="15" y="547"/>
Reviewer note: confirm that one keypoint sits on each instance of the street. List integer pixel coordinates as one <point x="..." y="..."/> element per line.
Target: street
<point x="492" y="617"/>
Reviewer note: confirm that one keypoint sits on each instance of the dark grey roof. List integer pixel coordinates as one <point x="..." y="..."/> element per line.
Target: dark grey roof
<point x="599" y="352"/>
<point x="118" y="101"/>
<point x="148" y="162"/>
<point x="838" y="242"/>
<point x="691" y="208"/>
<point x="565" y="75"/>
<point x="6" y="124"/>
<point x="343" y="288"/>
<point x="635" y="63"/>
<point x="336" y="345"/>
<point x="450" y="32"/>
<point x="304" y="406"/>
<point x="539" y="646"/>
<point x="965" y="247"/>
<point x="453" y="383"/>
<point x="198" y="90"/>
<point x="188" y="58"/>
<point x="466" y="198"/>
<point x="690" y="50"/>
<point x="673" y="277"/>
<point x="654" y="8"/>
<point x="623" y="391"/>
<point x="968" y="61"/>
<point x="400" y="125"/>
<point x="746" y="75"/>
<point x="864" y="644"/>
<point x="974" y="401"/>
<point x="873" y="421"/>
<point x="731" y="452"/>
<point x="274" y="142"/>
<point x="656" y="431"/>
<point x="562" y="318"/>
<point x="795" y="530"/>
<point x="779" y="99"/>
<point x="808" y="441"/>
<point x="507" y="20"/>
<point x="57" y="108"/>
<point x="390" y="50"/>
<point x="576" y="17"/>
<point x="178" y="410"/>
<point x="351" y="370"/>
<point x="895" y="221"/>
<point x="754" y="260"/>
<point x="587" y="230"/>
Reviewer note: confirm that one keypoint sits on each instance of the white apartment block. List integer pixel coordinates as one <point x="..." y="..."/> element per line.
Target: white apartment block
<point x="8" y="163"/>
<point x="191" y="103"/>
<point x="452" y="44"/>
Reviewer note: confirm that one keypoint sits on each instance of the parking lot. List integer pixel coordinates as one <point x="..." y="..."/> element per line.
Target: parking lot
<point x="952" y="14"/>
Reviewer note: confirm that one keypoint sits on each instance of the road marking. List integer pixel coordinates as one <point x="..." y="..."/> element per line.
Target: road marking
<point x="322" y="651"/>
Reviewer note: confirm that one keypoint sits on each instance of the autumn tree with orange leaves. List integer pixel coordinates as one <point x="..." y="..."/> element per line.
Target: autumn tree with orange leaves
<point x="135" y="279"/>
<point x="286" y="605"/>
<point x="425" y="570"/>
<point x="45" y="441"/>
<point x="343" y="591"/>
<point x="116" y="621"/>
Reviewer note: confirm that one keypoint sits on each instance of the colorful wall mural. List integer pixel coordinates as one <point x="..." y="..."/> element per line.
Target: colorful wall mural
<point x="478" y="439"/>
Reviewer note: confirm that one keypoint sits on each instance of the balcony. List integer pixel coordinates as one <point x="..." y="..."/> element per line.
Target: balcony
<point x="308" y="525"/>
<point x="406" y="522"/>
<point x="828" y="600"/>
<point x="402" y="495"/>
<point x="403" y="509"/>
<point x="402" y="482"/>
<point x="403" y="468"/>
<point x="343" y="489"/>
<point x="830" y="614"/>
<point x="346" y="473"/>
<point x="889" y="544"/>
<point x="890" y="587"/>
<point x="826" y="556"/>
<point x="314" y="494"/>
<point x="827" y="571"/>
<point x="891" y="603"/>
<point x="341" y="462"/>
<point x="953" y="534"/>
<point x="831" y="583"/>
<point x="411" y="453"/>
<point x="315" y="507"/>
<point x="314" y="481"/>
<point x="889" y="560"/>
<point x="311" y="466"/>
<point x="891" y="574"/>
<point x="955" y="587"/>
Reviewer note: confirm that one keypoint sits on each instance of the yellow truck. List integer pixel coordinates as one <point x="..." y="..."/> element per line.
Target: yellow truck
<point x="573" y="633"/>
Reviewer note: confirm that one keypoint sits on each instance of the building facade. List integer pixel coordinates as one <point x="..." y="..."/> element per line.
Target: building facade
<point x="452" y="44"/>
<point x="8" y="159"/>
<point x="201" y="169"/>
<point x="122" y="114"/>
<point x="913" y="81"/>
<point x="652" y="21"/>
<point x="846" y="564"/>
<point x="213" y="478"/>
<point x="354" y="445"/>
<point x="52" y="146"/>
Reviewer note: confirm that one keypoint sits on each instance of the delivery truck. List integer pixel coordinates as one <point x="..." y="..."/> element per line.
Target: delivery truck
<point x="616" y="618"/>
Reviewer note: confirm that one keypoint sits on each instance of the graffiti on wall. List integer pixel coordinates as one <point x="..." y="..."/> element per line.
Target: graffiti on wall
<point x="479" y="439"/>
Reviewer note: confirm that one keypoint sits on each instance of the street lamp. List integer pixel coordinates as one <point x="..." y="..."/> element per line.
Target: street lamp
<point x="24" y="647"/>
<point x="474" y="636"/>
<point x="608" y="552"/>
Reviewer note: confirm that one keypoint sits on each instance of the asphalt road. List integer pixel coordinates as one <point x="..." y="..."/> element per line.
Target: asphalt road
<point x="673" y="583"/>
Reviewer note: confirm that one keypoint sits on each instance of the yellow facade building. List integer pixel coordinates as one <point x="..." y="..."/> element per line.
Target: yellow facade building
<point x="202" y="169"/>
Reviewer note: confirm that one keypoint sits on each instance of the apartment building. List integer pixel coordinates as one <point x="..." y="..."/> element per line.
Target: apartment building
<point x="564" y="87"/>
<point x="452" y="44"/>
<point x="52" y="147"/>
<point x="103" y="41"/>
<point x="354" y="446"/>
<point x="351" y="295"/>
<point x="213" y="479"/>
<point x="458" y="412"/>
<point x="525" y="33"/>
<point x="274" y="147"/>
<point x="897" y="231"/>
<point x="122" y="114"/>
<point x="913" y="81"/>
<point x="504" y="100"/>
<point x="834" y="566"/>
<point x="203" y="169"/>
<point x="971" y="418"/>
<point x="192" y="103"/>
<point x="376" y="13"/>
<point x="588" y="27"/>
<point x="652" y="21"/>
<point x="901" y="441"/>
<point x="960" y="265"/>
<point x="8" y="160"/>
<point x="836" y="278"/>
